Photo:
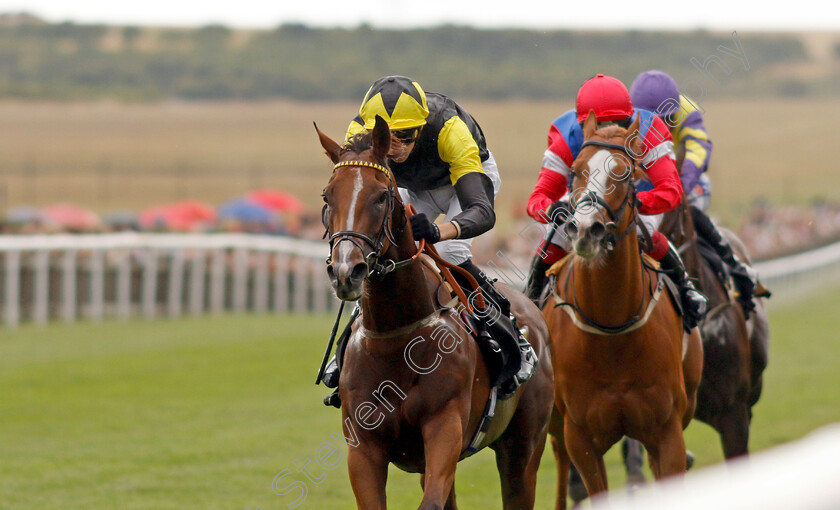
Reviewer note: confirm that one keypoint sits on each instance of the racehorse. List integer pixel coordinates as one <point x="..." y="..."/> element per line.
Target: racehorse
<point x="414" y="386"/>
<point x="735" y="347"/>
<point x="621" y="361"/>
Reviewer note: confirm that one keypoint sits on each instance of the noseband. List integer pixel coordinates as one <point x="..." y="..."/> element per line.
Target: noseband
<point x="610" y="240"/>
<point x="374" y="258"/>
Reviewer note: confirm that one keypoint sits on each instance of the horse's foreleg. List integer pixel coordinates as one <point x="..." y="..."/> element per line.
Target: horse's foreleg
<point x="368" y="470"/>
<point x="588" y="461"/>
<point x="634" y="456"/>
<point x="450" y="503"/>
<point x="734" y="428"/>
<point x="692" y="372"/>
<point x="518" y="458"/>
<point x="442" y="440"/>
<point x="667" y="456"/>
<point x="561" y="457"/>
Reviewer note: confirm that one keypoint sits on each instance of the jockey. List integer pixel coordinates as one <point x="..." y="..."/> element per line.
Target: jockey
<point x="657" y="92"/>
<point x="440" y="160"/>
<point x="658" y="192"/>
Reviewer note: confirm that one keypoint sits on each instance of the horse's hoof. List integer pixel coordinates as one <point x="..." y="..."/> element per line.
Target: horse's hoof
<point x="635" y="481"/>
<point x="577" y="491"/>
<point x="689" y="460"/>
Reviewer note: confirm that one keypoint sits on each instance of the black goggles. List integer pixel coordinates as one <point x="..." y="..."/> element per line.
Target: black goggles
<point x="406" y="135"/>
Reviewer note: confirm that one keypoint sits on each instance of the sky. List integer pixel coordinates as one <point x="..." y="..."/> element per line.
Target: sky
<point x="534" y="14"/>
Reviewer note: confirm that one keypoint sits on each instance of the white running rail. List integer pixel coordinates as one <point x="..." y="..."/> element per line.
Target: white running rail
<point x="46" y="277"/>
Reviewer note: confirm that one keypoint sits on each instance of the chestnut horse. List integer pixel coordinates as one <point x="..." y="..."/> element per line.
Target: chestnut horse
<point x="735" y="347"/>
<point x="414" y="385"/>
<point x="622" y="366"/>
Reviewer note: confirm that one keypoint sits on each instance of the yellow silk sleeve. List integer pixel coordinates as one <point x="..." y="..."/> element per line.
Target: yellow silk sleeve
<point x="457" y="147"/>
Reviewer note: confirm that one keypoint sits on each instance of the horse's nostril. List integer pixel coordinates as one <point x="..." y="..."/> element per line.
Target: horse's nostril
<point x="359" y="272"/>
<point x="597" y="230"/>
<point x="331" y="272"/>
<point x="572" y="228"/>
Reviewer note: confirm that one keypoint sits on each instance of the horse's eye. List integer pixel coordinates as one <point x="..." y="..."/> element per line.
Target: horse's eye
<point x="383" y="197"/>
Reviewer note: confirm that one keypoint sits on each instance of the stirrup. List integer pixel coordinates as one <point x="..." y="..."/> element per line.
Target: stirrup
<point x="331" y="373"/>
<point x="527" y="366"/>
<point x="333" y="399"/>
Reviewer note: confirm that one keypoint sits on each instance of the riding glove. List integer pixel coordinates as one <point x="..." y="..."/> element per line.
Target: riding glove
<point x="422" y="228"/>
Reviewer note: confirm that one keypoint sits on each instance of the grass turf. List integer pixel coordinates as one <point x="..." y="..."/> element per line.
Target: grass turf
<point x="206" y="412"/>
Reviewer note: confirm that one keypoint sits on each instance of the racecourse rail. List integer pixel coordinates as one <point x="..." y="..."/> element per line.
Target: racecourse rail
<point x="124" y="275"/>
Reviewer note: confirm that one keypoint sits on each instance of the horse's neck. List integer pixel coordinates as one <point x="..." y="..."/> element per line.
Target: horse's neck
<point x="400" y="297"/>
<point x="611" y="289"/>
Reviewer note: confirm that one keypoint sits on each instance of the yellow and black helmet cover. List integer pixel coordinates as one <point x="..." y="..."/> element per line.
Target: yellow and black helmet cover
<point x="397" y="99"/>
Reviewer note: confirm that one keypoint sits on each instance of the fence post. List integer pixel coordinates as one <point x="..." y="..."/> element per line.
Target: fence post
<point x="97" y="284"/>
<point x="197" y="268"/>
<point x="12" y="298"/>
<point x="240" y="279"/>
<point x="319" y="289"/>
<point x="150" y="277"/>
<point x="300" y="277"/>
<point x="217" y="281"/>
<point x="176" y="282"/>
<point x="281" y="283"/>
<point x="260" y="292"/>
<point x="68" y="286"/>
<point x="41" y="309"/>
<point x="124" y="285"/>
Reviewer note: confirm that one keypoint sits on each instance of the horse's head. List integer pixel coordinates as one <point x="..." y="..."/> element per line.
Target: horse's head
<point x="361" y="206"/>
<point x="602" y="187"/>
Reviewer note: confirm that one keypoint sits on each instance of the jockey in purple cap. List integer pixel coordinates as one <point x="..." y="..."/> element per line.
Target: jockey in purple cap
<point x="656" y="91"/>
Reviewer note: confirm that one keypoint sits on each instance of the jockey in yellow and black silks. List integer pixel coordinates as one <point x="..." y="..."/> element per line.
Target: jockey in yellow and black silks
<point x="442" y="166"/>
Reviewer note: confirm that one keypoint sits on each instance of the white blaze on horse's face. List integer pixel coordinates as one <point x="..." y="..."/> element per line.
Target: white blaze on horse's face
<point x="601" y="165"/>
<point x="347" y="276"/>
<point x="585" y="238"/>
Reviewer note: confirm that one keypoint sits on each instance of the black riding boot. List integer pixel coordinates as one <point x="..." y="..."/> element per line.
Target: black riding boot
<point x="536" y="280"/>
<point x="744" y="277"/>
<point x="693" y="302"/>
<point x="521" y="357"/>
<point x="332" y="371"/>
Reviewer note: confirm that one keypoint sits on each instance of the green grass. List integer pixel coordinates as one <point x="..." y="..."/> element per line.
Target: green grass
<point x="204" y="413"/>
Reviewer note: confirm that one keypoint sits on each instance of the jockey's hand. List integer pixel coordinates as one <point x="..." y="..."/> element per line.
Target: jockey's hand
<point x="559" y="212"/>
<point x="422" y="228"/>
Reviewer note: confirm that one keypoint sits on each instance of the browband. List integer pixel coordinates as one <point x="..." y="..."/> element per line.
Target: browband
<point x="368" y="164"/>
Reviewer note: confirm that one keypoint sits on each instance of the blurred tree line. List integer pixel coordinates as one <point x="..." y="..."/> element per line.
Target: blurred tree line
<point x="71" y="61"/>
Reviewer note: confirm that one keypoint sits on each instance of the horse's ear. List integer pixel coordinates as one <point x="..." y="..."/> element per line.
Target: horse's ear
<point x="635" y="136"/>
<point x="589" y="125"/>
<point x="332" y="149"/>
<point x="381" y="137"/>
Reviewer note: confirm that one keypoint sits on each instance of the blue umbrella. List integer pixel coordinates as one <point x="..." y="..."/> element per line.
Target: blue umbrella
<point x="241" y="209"/>
<point x="23" y="215"/>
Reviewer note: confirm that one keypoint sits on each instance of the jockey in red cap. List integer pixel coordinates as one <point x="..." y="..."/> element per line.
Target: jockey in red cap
<point x="660" y="191"/>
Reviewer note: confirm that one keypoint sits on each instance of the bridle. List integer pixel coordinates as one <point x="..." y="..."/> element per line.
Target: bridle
<point x="609" y="241"/>
<point x="382" y="240"/>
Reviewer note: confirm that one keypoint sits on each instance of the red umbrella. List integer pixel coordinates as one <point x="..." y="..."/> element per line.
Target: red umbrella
<point x="281" y="201"/>
<point x="71" y="217"/>
<point x="181" y="216"/>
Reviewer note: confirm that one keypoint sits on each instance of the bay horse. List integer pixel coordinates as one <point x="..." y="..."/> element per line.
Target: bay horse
<point x="622" y="365"/>
<point x="413" y="383"/>
<point x="735" y="347"/>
